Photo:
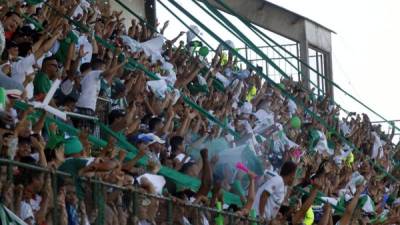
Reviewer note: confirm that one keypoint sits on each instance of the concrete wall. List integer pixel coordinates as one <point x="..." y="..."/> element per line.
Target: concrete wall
<point x="267" y="16"/>
<point x="318" y="37"/>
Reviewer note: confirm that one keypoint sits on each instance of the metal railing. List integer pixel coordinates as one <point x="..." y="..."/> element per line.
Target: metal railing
<point x="250" y="55"/>
<point x="293" y="70"/>
<point x="169" y="210"/>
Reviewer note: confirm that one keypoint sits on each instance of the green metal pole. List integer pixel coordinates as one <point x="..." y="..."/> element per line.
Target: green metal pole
<point x="134" y="203"/>
<point x="55" y="199"/>
<point x="170" y="216"/>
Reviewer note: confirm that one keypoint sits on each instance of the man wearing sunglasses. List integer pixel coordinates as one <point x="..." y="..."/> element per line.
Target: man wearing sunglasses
<point x="44" y="78"/>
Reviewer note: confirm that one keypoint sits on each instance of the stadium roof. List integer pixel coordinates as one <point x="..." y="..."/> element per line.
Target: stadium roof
<point x="270" y="4"/>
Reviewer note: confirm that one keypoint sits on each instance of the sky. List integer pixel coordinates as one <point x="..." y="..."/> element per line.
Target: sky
<point x="366" y="46"/>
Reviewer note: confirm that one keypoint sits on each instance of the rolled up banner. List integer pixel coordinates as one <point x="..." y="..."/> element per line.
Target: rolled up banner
<point x="51" y="92"/>
<point x="56" y="112"/>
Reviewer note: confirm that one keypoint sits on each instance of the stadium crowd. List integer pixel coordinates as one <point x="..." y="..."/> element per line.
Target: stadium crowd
<point x="281" y="151"/>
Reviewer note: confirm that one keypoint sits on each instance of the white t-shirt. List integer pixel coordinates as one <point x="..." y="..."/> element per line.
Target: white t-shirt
<point x="277" y="191"/>
<point x="292" y="107"/>
<point x="322" y="145"/>
<point x="344" y="127"/>
<point x="25" y="211"/>
<point x="28" y="209"/>
<point x="22" y="67"/>
<point x="377" y="148"/>
<point x="90" y="86"/>
<point x="87" y="48"/>
<point x="181" y="156"/>
<point x="157" y="181"/>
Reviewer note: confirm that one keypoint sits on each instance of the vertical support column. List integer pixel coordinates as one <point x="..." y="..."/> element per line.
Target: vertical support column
<point x="329" y="74"/>
<point x="304" y="57"/>
<point x="150" y="12"/>
<point x="319" y="78"/>
<point x="298" y="62"/>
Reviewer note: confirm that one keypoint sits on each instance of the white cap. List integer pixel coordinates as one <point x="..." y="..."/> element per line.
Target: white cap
<point x="155" y="139"/>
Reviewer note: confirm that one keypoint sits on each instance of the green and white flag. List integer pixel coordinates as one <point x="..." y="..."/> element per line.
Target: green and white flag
<point x="9" y="218"/>
<point x="367" y="204"/>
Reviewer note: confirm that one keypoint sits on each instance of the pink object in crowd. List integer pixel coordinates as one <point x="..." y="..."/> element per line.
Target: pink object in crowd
<point x="242" y="167"/>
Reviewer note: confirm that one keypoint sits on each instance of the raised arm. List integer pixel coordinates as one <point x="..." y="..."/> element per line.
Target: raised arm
<point x="110" y="73"/>
<point x="326" y="217"/>
<point x="170" y="117"/>
<point x="100" y="167"/>
<point x="132" y="163"/>
<point x="38" y="127"/>
<point x="39" y="144"/>
<point x="263" y="201"/>
<point x="47" y="45"/>
<point x="299" y="215"/>
<point x="186" y="122"/>
<point x="177" y="37"/>
<point x="348" y="213"/>
<point x="189" y="77"/>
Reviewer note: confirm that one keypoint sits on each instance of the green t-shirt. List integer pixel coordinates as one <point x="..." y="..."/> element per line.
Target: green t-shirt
<point x="41" y="83"/>
<point x="62" y="52"/>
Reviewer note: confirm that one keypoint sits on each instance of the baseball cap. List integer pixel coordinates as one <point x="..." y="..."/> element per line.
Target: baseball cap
<point x="72" y="146"/>
<point x="155" y="139"/>
<point x="148" y="138"/>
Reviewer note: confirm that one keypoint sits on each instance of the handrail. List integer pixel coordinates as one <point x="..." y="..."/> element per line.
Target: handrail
<point x="4" y="161"/>
<point x="256" y="30"/>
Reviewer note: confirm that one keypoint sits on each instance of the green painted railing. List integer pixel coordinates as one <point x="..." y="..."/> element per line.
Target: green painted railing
<point x="133" y="192"/>
<point x="171" y="174"/>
